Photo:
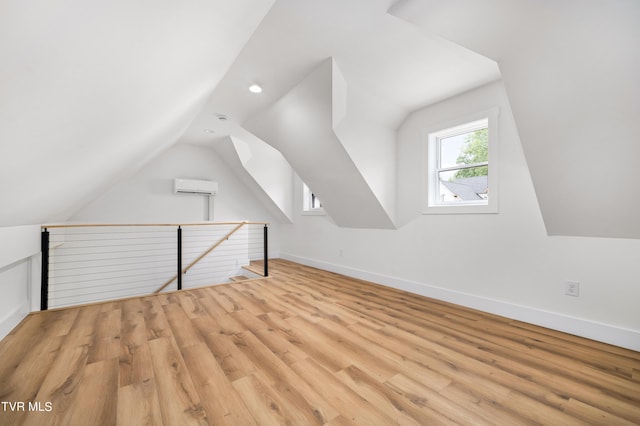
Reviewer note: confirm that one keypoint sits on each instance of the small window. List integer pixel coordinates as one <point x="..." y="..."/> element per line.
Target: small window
<point x="311" y="203"/>
<point x="462" y="167"/>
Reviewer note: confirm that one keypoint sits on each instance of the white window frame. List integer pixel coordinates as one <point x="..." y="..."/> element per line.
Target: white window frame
<point x="307" y="203"/>
<point x="431" y="203"/>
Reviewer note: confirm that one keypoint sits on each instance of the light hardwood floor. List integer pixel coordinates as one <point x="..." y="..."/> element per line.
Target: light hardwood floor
<point x="307" y="347"/>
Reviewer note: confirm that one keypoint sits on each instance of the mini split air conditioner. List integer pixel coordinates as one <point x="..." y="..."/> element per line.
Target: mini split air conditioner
<point x="190" y="186"/>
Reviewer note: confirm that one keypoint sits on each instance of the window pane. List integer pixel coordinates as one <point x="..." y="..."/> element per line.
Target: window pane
<point x="470" y="184"/>
<point x="466" y="148"/>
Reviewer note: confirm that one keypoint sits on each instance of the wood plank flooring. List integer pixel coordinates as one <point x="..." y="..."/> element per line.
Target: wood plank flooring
<point x="306" y="347"/>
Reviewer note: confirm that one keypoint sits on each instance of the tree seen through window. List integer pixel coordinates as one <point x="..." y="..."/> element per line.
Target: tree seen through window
<point x="474" y="150"/>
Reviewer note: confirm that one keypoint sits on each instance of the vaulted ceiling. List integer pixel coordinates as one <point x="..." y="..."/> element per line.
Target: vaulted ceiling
<point x="386" y="68"/>
<point x="90" y="92"/>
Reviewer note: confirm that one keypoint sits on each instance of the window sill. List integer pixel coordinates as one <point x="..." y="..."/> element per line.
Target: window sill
<point x="461" y="209"/>
<point x="314" y="212"/>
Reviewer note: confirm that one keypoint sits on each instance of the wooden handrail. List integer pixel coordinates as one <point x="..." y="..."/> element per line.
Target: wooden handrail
<point x="102" y="225"/>
<point x="199" y="258"/>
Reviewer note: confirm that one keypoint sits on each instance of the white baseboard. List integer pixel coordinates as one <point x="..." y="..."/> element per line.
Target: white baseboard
<point x="601" y="332"/>
<point x="12" y="319"/>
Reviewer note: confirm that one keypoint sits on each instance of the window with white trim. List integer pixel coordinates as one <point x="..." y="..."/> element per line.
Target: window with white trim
<point x="310" y="202"/>
<point x="462" y="166"/>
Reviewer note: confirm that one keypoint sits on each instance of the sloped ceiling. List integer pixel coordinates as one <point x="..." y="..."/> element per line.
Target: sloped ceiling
<point x="263" y="169"/>
<point x="376" y="52"/>
<point x="571" y="72"/>
<point x="302" y="125"/>
<point x="381" y="58"/>
<point x="90" y="91"/>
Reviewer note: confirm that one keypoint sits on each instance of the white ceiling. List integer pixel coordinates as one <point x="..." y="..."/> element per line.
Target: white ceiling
<point x="90" y="91"/>
<point x="375" y="51"/>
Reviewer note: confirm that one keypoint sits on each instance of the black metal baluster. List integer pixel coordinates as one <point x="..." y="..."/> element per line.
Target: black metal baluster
<point x="44" y="279"/>
<point x="179" y="258"/>
<point x="266" y="257"/>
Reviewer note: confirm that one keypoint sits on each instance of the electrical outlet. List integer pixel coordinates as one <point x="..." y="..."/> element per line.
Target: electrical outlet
<point x="340" y="252"/>
<point x="572" y="288"/>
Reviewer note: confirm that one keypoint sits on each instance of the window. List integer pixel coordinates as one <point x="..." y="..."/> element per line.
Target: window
<point x="462" y="166"/>
<point x="311" y="203"/>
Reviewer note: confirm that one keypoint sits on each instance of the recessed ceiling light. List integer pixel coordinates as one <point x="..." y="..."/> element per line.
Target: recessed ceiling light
<point x="222" y="117"/>
<point x="254" y="88"/>
<point x="209" y="131"/>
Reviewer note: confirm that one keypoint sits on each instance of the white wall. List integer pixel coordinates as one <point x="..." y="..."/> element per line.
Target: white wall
<point x="300" y="125"/>
<point x="268" y="168"/>
<point x="367" y="132"/>
<point x="19" y="249"/>
<point x="147" y="197"/>
<point x="503" y="263"/>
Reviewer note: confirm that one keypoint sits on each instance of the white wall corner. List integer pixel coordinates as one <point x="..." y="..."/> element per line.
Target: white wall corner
<point x="338" y="95"/>
<point x="18" y="243"/>
<point x="269" y="170"/>
<point x="365" y="125"/>
<point x="300" y="126"/>
<point x="13" y="318"/>
<point x="601" y="332"/>
<point x="35" y="284"/>
<point x="15" y="284"/>
<point x="19" y="274"/>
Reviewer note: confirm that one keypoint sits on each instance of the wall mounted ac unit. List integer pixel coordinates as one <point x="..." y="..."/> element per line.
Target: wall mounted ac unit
<point x="190" y="186"/>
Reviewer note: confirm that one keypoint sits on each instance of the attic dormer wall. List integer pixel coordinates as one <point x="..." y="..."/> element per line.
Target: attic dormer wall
<point x="502" y="263"/>
<point x="571" y="72"/>
<point x="368" y="134"/>
<point x="304" y="125"/>
<point x="263" y="170"/>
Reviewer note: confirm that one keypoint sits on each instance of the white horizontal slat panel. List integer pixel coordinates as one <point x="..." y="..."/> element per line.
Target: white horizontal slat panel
<point x="93" y="264"/>
<point x="105" y="263"/>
